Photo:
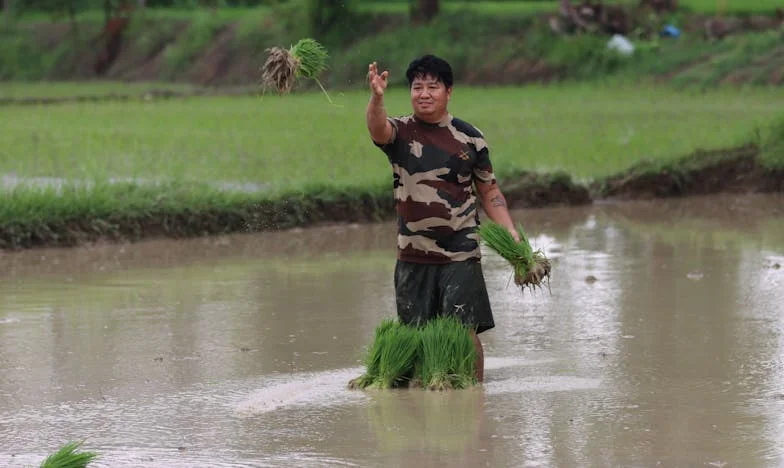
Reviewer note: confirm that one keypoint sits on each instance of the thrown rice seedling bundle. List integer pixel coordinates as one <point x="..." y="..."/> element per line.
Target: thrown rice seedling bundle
<point x="439" y="355"/>
<point x="530" y="267"/>
<point x="67" y="457"/>
<point x="305" y="59"/>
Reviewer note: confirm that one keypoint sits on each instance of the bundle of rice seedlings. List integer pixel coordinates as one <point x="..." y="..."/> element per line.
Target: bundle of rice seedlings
<point x="67" y="457"/>
<point x="437" y="356"/>
<point x="305" y="59"/>
<point x="372" y="358"/>
<point x="448" y="358"/>
<point x="530" y="267"/>
<point x="398" y="352"/>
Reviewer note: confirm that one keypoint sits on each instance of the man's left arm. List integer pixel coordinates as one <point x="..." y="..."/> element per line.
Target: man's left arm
<point x="494" y="204"/>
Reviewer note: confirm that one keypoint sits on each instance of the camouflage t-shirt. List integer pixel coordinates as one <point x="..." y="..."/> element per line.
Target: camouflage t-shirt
<point x="434" y="167"/>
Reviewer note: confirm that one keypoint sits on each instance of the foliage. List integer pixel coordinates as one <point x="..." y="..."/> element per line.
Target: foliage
<point x="197" y="36"/>
<point x="773" y="144"/>
<point x="437" y="355"/>
<point x="530" y="267"/>
<point x="68" y="457"/>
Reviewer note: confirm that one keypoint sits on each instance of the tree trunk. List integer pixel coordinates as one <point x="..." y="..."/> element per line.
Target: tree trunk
<point x="424" y="11"/>
<point x="7" y="11"/>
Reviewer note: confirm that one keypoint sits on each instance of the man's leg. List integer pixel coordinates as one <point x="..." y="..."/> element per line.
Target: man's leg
<point x="480" y="361"/>
<point x="464" y="295"/>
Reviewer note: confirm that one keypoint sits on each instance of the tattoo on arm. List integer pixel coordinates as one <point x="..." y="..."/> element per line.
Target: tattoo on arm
<point x="497" y="200"/>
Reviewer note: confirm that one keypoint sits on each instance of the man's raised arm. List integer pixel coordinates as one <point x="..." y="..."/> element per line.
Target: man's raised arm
<point x="381" y="131"/>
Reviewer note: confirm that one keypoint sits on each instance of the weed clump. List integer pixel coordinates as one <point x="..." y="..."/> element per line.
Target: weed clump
<point x="438" y="355"/>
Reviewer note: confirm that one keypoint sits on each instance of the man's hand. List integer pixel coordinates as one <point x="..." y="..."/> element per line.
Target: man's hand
<point x="378" y="82"/>
<point x="514" y="233"/>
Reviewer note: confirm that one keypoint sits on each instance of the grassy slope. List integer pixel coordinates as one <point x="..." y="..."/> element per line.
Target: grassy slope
<point x="498" y="45"/>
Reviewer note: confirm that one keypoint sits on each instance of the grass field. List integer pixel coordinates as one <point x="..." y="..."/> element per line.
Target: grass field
<point x="47" y="89"/>
<point x="295" y="140"/>
<point x="295" y="143"/>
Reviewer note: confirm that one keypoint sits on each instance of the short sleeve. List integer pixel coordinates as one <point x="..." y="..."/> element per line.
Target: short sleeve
<point x="391" y="146"/>
<point x="483" y="169"/>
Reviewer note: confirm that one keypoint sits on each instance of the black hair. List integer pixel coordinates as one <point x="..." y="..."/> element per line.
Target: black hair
<point x="431" y="65"/>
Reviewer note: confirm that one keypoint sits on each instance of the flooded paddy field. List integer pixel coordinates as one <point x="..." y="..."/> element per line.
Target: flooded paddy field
<point x="659" y="343"/>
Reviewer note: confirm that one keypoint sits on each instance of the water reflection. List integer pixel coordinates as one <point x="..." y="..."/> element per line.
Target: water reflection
<point x="660" y="341"/>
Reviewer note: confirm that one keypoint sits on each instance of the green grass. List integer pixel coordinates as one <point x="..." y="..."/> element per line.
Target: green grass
<point x="773" y="144"/>
<point x="294" y="141"/>
<point x="223" y="15"/>
<point x="731" y="6"/>
<point x="229" y="14"/>
<point x="297" y="147"/>
<point x="62" y="89"/>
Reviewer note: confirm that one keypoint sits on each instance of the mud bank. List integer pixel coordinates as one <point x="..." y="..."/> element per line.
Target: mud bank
<point x="736" y="170"/>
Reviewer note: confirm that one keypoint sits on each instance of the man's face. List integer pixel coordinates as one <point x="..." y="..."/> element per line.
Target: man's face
<point x="429" y="98"/>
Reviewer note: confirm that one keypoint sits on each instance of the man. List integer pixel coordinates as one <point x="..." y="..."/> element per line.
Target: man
<point x="436" y="159"/>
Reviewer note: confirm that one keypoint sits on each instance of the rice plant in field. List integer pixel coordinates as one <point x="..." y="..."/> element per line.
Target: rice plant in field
<point x="531" y="267"/>
<point x="438" y="355"/>
<point x="68" y="457"/>
<point x="447" y="356"/>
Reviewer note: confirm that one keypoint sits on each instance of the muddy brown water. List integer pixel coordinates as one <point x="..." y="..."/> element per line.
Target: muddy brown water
<point x="660" y="343"/>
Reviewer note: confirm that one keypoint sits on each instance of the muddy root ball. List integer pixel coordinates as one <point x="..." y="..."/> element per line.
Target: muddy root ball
<point x="537" y="274"/>
<point x="279" y="71"/>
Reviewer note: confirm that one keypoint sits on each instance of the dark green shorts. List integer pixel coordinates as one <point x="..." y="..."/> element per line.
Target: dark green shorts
<point x="423" y="292"/>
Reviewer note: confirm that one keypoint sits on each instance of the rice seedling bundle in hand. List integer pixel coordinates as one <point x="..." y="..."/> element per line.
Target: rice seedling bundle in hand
<point x="305" y="59"/>
<point x="68" y="457"/>
<point x="439" y="355"/>
<point x="530" y="267"/>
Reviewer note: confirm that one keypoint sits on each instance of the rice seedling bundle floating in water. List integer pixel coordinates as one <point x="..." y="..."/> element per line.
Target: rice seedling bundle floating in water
<point x="438" y="355"/>
<point x="531" y="267"/>
<point x="305" y="59"/>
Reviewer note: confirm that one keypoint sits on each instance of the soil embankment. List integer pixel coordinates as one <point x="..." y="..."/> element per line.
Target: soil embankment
<point x="208" y="51"/>
<point x="734" y="170"/>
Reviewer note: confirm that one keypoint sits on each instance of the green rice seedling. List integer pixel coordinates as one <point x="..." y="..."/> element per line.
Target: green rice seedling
<point x="530" y="267"/>
<point x="67" y="457"/>
<point x="399" y="349"/>
<point x="305" y="59"/>
<point x="447" y="358"/>
<point x="372" y="358"/>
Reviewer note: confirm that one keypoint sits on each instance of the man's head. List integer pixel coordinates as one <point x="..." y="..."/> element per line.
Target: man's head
<point x="430" y="83"/>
